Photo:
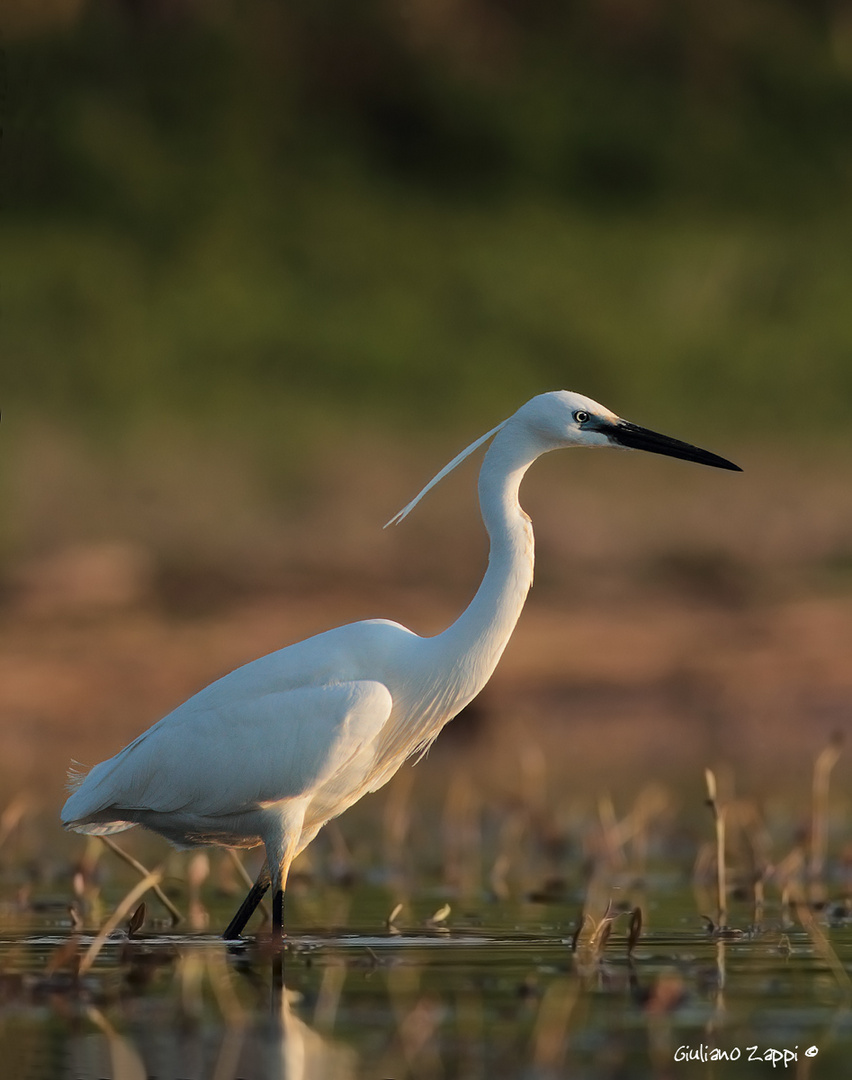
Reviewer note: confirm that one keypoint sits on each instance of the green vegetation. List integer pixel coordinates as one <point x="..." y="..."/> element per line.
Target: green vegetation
<point x="260" y="219"/>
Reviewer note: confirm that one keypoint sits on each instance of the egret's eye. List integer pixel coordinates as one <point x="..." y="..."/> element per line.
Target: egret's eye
<point x="582" y="417"/>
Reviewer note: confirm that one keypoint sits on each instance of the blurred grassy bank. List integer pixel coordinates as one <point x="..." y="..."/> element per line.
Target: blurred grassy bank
<point x="265" y="221"/>
<point x="255" y="363"/>
<point x="340" y="303"/>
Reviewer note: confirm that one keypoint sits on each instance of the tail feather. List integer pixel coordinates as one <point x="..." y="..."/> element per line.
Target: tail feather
<point x="98" y="828"/>
<point x="76" y="774"/>
<point x="90" y="794"/>
<point x="88" y="806"/>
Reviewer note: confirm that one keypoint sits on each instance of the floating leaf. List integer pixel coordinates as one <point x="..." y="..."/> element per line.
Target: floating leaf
<point x="136" y="920"/>
<point x="440" y="915"/>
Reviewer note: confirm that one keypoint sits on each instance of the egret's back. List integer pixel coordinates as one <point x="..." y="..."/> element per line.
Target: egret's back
<point x="281" y="727"/>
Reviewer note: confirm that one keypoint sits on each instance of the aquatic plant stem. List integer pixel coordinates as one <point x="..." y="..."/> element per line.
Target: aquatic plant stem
<point x="143" y="872"/>
<point x="719" y="820"/>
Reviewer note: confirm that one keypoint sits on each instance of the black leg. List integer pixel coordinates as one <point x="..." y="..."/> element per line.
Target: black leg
<point x="277" y="982"/>
<point x="248" y="906"/>
<point x="277" y="949"/>
<point x="278" y="915"/>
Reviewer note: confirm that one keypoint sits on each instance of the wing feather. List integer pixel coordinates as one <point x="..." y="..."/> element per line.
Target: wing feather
<point x="214" y="758"/>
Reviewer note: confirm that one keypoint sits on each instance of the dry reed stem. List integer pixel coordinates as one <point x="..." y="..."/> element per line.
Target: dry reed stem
<point x="190" y="977"/>
<point x="12" y="815"/>
<point x="462" y="834"/>
<point x="602" y="930"/>
<point x="549" y="1038"/>
<point x="121" y="912"/>
<point x="719" y="821"/>
<point x="470" y="1024"/>
<point x="396" y="819"/>
<point x="788" y="875"/>
<point x="416" y="1025"/>
<point x="612" y="837"/>
<point x="228" y="1058"/>
<point x="126" y="1063"/>
<point x="219" y="974"/>
<point x="823" y="766"/>
<point x="144" y="872"/>
<point x="721" y="973"/>
<point x="651" y="802"/>
<point x="328" y="996"/>
<point x="822" y="945"/>
<point x="197" y="872"/>
<point x="498" y="876"/>
<point x="759" y="844"/>
<point x="759" y="897"/>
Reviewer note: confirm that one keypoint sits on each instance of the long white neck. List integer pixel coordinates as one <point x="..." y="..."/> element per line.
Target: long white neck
<point x="476" y="640"/>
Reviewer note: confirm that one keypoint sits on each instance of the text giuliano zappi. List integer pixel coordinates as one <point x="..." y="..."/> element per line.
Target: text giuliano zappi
<point x="782" y="1057"/>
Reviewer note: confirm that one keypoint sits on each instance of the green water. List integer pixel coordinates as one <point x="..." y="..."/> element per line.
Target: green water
<point x="495" y="990"/>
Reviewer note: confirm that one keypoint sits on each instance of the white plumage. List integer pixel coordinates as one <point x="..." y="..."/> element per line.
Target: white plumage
<point x="272" y="751"/>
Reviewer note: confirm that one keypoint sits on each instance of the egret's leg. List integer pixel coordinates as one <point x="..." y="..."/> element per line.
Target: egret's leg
<point x="279" y="885"/>
<point x="278" y="915"/>
<point x="277" y="940"/>
<point x="248" y="906"/>
<point x="282" y="845"/>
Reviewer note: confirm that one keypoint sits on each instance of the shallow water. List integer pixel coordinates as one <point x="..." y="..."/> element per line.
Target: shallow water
<point x="496" y="990"/>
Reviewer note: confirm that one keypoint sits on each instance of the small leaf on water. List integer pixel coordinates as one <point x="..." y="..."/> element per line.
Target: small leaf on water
<point x="136" y="920"/>
<point x="635" y="929"/>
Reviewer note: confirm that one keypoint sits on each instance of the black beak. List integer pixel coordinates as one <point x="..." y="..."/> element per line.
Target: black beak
<point x="624" y="433"/>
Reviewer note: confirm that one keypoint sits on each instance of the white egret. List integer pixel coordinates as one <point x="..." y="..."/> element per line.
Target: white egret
<point x="271" y="752"/>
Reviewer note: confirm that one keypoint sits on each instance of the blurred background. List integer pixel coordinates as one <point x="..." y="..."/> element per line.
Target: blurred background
<point x="265" y="267"/>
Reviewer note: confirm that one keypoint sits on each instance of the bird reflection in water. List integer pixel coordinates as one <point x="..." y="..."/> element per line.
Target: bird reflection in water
<point x="267" y="1044"/>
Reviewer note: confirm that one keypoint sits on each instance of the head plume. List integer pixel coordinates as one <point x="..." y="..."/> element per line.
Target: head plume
<point x="457" y="460"/>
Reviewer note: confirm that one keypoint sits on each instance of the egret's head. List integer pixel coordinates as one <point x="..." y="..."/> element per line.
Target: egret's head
<point x="563" y="418"/>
